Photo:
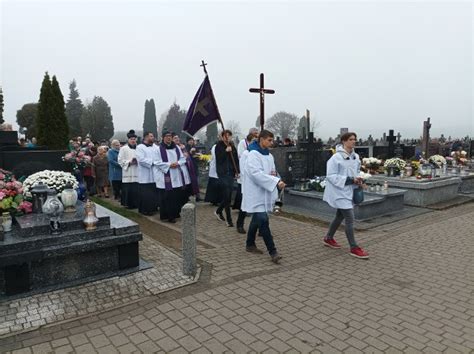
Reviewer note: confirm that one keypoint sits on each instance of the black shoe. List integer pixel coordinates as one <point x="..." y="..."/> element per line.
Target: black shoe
<point x="230" y="224"/>
<point x="241" y="230"/>
<point x="253" y="249"/>
<point x="276" y="258"/>
<point x="172" y="221"/>
<point x="219" y="216"/>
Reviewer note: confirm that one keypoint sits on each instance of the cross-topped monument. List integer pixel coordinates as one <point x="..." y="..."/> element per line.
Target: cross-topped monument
<point x="262" y="91"/>
<point x="391" y="139"/>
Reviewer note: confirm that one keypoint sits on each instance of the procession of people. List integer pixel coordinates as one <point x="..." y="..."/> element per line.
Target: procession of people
<point x="160" y="177"/>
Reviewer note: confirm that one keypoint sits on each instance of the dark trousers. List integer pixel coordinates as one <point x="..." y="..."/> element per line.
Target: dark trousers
<point x="226" y="185"/>
<point x="260" y="222"/>
<point x="241" y="218"/>
<point x="90" y="181"/>
<point x="117" y="188"/>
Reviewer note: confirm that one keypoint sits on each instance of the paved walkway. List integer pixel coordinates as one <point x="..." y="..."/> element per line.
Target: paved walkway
<point x="415" y="294"/>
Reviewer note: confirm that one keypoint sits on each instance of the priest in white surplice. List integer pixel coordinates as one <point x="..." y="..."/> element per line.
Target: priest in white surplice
<point x="148" y="198"/>
<point x="259" y="191"/>
<point x="171" y="178"/>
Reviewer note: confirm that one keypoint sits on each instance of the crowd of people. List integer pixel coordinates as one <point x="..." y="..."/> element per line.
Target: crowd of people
<point x="159" y="177"/>
<point x="150" y="176"/>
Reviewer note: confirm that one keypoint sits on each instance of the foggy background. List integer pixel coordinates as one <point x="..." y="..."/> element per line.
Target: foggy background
<point x="363" y="65"/>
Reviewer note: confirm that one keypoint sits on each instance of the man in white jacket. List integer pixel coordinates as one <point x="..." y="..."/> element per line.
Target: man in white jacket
<point x="259" y="191"/>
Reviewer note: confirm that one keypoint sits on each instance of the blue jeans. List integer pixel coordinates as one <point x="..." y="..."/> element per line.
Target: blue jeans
<point x="260" y="222"/>
<point x="348" y="215"/>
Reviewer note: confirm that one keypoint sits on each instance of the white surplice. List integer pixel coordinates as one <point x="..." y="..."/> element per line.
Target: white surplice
<point x="259" y="187"/>
<point x="145" y="157"/>
<point x="129" y="171"/>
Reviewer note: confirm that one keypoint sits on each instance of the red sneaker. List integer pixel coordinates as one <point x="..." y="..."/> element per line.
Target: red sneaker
<point x="331" y="243"/>
<point x="359" y="253"/>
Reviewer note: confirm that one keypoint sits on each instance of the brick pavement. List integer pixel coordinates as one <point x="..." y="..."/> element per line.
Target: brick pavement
<point x="415" y="294"/>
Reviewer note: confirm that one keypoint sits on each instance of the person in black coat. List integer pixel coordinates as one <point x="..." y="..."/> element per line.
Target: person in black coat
<point x="227" y="166"/>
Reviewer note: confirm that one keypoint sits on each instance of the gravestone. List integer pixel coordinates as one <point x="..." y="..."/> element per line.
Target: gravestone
<point x="31" y="259"/>
<point x="391" y="139"/>
<point x="24" y="161"/>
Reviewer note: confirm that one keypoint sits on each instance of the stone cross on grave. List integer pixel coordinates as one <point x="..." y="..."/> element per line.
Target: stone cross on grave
<point x="398" y="138"/>
<point x="391" y="140"/>
<point x="262" y="91"/>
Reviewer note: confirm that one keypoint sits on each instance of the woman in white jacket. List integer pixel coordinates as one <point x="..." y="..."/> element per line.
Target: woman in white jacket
<point x="342" y="177"/>
<point x="127" y="159"/>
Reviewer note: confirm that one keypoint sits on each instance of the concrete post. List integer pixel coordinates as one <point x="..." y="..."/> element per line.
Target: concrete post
<point x="188" y="217"/>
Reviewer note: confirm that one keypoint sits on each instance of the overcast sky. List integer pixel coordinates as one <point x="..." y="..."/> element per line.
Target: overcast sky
<point x="368" y="66"/>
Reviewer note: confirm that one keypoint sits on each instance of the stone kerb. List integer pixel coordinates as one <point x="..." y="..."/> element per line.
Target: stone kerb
<point x="188" y="216"/>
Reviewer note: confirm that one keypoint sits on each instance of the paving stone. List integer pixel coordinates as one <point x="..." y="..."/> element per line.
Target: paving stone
<point x="248" y="304"/>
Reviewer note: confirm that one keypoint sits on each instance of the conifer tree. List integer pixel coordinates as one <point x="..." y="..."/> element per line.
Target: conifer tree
<point x="74" y="108"/>
<point x="27" y="117"/>
<point x="149" y="121"/>
<point x="97" y="120"/>
<point x="45" y="104"/>
<point x="175" y="120"/>
<point x="59" y="128"/>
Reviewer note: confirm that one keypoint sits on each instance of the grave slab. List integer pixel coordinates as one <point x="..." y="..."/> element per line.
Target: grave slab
<point x="31" y="258"/>
<point x="423" y="192"/>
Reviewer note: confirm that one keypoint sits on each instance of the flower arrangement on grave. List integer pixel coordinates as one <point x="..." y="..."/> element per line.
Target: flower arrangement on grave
<point x="437" y="161"/>
<point x="371" y="164"/>
<point x="78" y="159"/>
<point x="396" y="163"/>
<point x="459" y="157"/>
<point x="203" y="161"/>
<point x="56" y="180"/>
<point x="415" y="166"/>
<point x="364" y="176"/>
<point x="317" y="184"/>
<point x="11" y="195"/>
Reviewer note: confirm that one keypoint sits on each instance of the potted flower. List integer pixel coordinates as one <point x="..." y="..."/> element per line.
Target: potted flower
<point x="11" y="195"/>
<point x="317" y="184"/>
<point x="78" y="159"/>
<point x="437" y="161"/>
<point x="459" y="157"/>
<point x="371" y="164"/>
<point x="56" y="180"/>
<point x="393" y="166"/>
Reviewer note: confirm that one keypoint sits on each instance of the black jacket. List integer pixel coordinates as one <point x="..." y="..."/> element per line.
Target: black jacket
<point x="224" y="165"/>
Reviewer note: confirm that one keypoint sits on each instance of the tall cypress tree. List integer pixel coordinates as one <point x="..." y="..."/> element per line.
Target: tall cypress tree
<point x="45" y="104"/>
<point x="149" y="121"/>
<point x="74" y="108"/>
<point x="1" y="106"/>
<point x="60" y="135"/>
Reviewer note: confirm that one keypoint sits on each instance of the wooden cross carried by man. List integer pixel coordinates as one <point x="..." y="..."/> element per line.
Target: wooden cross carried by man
<point x="262" y="91"/>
